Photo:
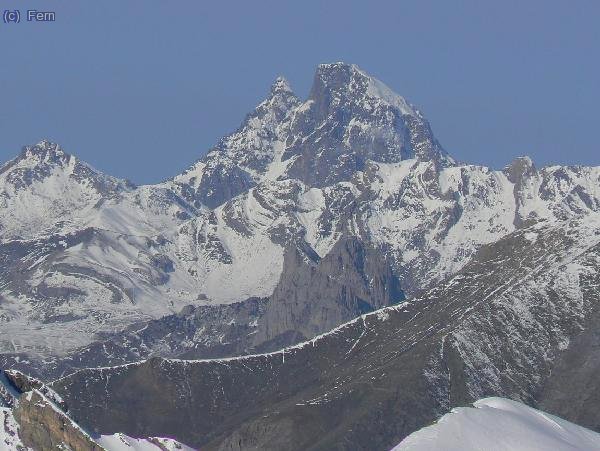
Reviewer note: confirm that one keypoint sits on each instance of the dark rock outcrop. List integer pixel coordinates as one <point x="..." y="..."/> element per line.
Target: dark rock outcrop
<point x="44" y="427"/>
<point x="573" y="390"/>
<point x="22" y="383"/>
<point x="315" y="295"/>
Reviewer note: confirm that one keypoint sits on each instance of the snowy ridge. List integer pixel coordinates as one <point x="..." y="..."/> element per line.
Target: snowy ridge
<point x="44" y="186"/>
<point x="502" y="425"/>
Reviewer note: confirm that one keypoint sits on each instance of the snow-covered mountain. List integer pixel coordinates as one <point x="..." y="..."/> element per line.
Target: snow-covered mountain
<point x="80" y="252"/>
<point x="83" y="254"/>
<point x="501" y="425"/>
<point x="314" y="212"/>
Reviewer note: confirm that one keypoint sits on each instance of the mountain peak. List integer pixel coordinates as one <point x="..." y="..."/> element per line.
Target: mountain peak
<point x="337" y="67"/>
<point x="523" y="160"/>
<point x="46" y="149"/>
<point x="348" y="82"/>
<point x="350" y="118"/>
<point x="45" y="153"/>
<point x="40" y="161"/>
<point x="332" y="76"/>
<point x="281" y="85"/>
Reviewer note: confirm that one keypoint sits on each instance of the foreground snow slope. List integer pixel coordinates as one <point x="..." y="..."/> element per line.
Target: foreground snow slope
<point x="500" y="424"/>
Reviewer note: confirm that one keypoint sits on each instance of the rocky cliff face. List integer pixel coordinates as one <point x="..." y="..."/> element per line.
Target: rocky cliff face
<point x="37" y="419"/>
<point x="501" y="326"/>
<point x="43" y="427"/>
<point x="350" y="119"/>
<point x="34" y="417"/>
<point x="314" y="295"/>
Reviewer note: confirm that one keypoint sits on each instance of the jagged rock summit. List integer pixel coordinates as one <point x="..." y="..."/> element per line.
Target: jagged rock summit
<point x="348" y="119"/>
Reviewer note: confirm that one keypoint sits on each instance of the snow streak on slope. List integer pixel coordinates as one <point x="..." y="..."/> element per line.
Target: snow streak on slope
<point x="122" y="442"/>
<point x="500" y="425"/>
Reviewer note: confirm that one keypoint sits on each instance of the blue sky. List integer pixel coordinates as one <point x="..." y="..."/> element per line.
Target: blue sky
<point x="141" y="89"/>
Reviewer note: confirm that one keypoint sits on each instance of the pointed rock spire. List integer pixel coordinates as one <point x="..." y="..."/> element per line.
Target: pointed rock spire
<point x="44" y="147"/>
<point x="281" y="85"/>
<point x="44" y="152"/>
<point x="520" y="168"/>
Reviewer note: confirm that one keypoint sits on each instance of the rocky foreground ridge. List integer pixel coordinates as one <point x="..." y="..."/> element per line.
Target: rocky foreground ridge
<point x="35" y="418"/>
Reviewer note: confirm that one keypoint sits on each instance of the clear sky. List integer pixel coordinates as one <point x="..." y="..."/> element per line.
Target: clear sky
<point x="141" y="89"/>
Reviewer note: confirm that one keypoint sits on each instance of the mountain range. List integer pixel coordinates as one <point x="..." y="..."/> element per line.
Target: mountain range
<point x="323" y="269"/>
